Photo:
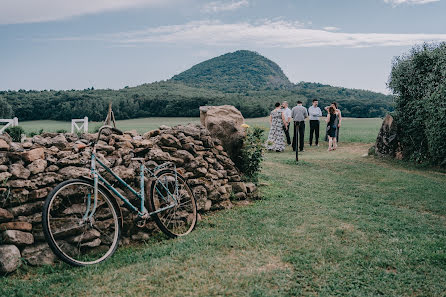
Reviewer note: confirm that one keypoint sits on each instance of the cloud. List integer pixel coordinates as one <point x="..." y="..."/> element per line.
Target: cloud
<point x="265" y="33"/>
<point x="33" y="11"/>
<point x="414" y="2"/>
<point x="331" y="29"/>
<point x="217" y="6"/>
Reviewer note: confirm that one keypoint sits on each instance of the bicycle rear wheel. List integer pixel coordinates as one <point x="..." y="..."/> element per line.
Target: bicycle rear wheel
<point x="180" y="217"/>
<point x="76" y="232"/>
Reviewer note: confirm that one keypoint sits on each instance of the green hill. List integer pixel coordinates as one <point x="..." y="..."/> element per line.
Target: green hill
<point x="245" y="79"/>
<point x="235" y="72"/>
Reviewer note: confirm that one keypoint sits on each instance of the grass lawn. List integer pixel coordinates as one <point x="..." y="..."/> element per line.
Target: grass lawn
<point x="336" y="223"/>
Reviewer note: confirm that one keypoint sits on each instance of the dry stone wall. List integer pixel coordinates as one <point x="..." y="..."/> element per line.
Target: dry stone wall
<point x="29" y="170"/>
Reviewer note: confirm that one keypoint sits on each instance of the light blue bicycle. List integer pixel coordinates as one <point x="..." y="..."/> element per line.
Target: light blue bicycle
<point x="82" y="220"/>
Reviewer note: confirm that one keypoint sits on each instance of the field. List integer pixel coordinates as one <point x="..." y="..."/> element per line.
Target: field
<point x="335" y="224"/>
<point x="353" y="130"/>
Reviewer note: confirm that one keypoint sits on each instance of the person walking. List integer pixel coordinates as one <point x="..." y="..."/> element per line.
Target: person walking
<point x="299" y="113"/>
<point x="338" y="120"/>
<point x="286" y="127"/>
<point x="332" y="127"/>
<point x="314" y="113"/>
<point x="276" y="137"/>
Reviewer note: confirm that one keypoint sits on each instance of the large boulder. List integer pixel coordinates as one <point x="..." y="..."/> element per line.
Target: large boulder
<point x="225" y="123"/>
<point x="387" y="141"/>
<point x="9" y="258"/>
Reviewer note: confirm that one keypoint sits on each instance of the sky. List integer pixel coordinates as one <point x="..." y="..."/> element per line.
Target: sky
<point x="79" y="44"/>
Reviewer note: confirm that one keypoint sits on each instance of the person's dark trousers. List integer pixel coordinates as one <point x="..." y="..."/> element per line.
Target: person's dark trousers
<point x="299" y="130"/>
<point x="287" y="133"/>
<point x="314" y="128"/>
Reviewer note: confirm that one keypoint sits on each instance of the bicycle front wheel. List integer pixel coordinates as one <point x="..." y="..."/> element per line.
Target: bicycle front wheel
<point x="77" y="231"/>
<point x="174" y="204"/>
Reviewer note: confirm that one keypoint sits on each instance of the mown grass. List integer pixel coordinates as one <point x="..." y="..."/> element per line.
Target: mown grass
<point x="353" y="130"/>
<point x="335" y="224"/>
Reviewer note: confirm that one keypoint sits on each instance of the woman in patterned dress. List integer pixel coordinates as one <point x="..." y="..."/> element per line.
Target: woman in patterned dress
<point x="276" y="137"/>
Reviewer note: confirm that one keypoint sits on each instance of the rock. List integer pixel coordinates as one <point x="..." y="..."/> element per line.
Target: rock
<point x="59" y="141"/>
<point x="169" y="140"/>
<point x="238" y="187"/>
<point x="39" y="254"/>
<point x="74" y="172"/>
<point x="4" y="176"/>
<point x="18" y="171"/>
<point x="17" y="237"/>
<point x="39" y="193"/>
<point x="158" y="155"/>
<point x="224" y="122"/>
<point x="183" y="154"/>
<point x="250" y="187"/>
<point x="27" y="145"/>
<point x="22" y="226"/>
<point x="9" y="258"/>
<point x="124" y="172"/>
<point x="3" y="168"/>
<point x="141" y="236"/>
<point x="52" y="168"/>
<point x="240" y="196"/>
<point x="5" y="215"/>
<point x="35" y="154"/>
<point x="4" y="146"/>
<point x="19" y="183"/>
<point x="16" y="147"/>
<point x="26" y="209"/>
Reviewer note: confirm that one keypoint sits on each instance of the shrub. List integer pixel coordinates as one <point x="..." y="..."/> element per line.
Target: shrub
<point x="418" y="80"/>
<point x="251" y="155"/>
<point x="61" y="131"/>
<point x="15" y="133"/>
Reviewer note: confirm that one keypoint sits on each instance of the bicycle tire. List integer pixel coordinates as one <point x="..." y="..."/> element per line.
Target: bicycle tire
<point x="56" y="221"/>
<point x="189" y="204"/>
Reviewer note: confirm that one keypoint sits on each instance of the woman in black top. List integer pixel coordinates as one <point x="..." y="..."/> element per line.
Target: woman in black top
<point x="331" y="128"/>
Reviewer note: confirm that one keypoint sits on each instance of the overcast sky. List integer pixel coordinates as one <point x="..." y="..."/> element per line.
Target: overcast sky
<point x="66" y="44"/>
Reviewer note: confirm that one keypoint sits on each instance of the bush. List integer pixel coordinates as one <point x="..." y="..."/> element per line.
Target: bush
<point x="61" y="131"/>
<point x="251" y="155"/>
<point x="418" y="80"/>
<point x="15" y="133"/>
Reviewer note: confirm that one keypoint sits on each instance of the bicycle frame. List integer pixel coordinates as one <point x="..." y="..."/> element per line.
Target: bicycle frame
<point x="141" y="210"/>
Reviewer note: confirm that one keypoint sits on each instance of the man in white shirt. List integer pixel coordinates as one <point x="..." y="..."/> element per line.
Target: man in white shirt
<point x="287" y="114"/>
<point x="314" y="113"/>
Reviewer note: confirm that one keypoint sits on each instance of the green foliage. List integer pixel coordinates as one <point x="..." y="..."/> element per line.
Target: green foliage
<point x="15" y="133"/>
<point x="61" y="131"/>
<point x="251" y="155"/>
<point x="5" y="109"/>
<point x="418" y="80"/>
<point x="244" y="79"/>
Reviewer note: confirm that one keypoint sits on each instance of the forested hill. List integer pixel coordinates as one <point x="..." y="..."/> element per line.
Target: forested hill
<point x="236" y="72"/>
<point x="245" y="79"/>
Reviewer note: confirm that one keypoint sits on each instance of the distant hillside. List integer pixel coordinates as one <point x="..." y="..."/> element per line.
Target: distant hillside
<point x="245" y="79"/>
<point x="235" y="72"/>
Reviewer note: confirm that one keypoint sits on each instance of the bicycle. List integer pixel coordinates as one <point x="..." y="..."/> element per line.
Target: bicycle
<point x="82" y="220"/>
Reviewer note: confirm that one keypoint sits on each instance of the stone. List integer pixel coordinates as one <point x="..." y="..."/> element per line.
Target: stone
<point x="5" y="215"/>
<point x="39" y="254"/>
<point x="17" y="237"/>
<point x="39" y="193"/>
<point x="3" y="168"/>
<point x="225" y="123"/>
<point x="59" y="141"/>
<point x="191" y="130"/>
<point x="240" y="196"/>
<point x="18" y="171"/>
<point x="124" y="172"/>
<point x="4" y="176"/>
<point x="4" y="146"/>
<point x="16" y="147"/>
<point x="26" y="209"/>
<point x="74" y="172"/>
<point x="9" y="258"/>
<point x="19" y="183"/>
<point x="141" y="236"/>
<point x="32" y="219"/>
<point x="183" y="154"/>
<point x="250" y="187"/>
<point x="27" y="145"/>
<point x="34" y="154"/>
<point x="169" y="140"/>
<point x="158" y="155"/>
<point x="22" y="226"/>
<point x="238" y="187"/>
<point x="52" y="168"/>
